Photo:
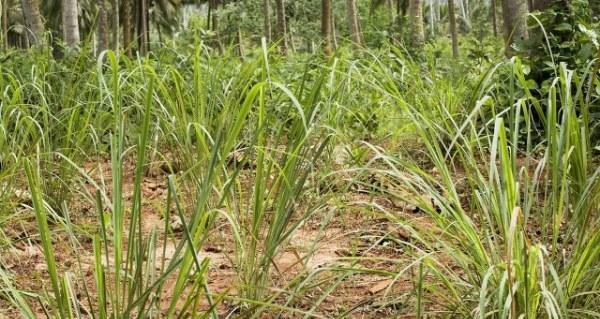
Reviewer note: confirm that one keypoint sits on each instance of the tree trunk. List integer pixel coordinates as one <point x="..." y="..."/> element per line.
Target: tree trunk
<point x="326" y="25"/>
<point x="541" y="5"/>
<point x="267" y="19"/>
<point x="240" y="41"/>
<point x="291" y="40"/>
<point x="453" y="29"/>
<point x="142" y="27"/>
<point x="353" y="23"/>
<point x="389" y="6"/>
<point x="24" y="41"/>
<point x="128" y="26"/>
<point x="209" y="14"/>
<point x="4" y="4"/>
<point x="148" y="4"/>
<point x="281" y="27"/>
<point x="416" y="21"/>
<point x="465" y="14"/>
<point x="494" y="15"/>
<point x="334" y="43"/>
<point x="33" y="20"/>
<point x="432" y="21"/>
<point x="401" y="17"/>
<point x="70" y="22"/>
<point x="514" y="13"/>
<point x="2" y="17"/>
<point x="102" y="28"/>
<point x="115" y="25"/>
<point x="158" y="30"/>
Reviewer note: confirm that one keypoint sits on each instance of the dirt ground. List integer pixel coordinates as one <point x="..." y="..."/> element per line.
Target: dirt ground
<point x="361" y="263"/>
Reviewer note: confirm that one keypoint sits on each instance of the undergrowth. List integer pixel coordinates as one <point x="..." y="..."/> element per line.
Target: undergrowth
<point x="505" y="171"/>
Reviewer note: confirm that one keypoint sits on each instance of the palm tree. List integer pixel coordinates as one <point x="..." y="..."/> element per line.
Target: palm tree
<point x="333" y="29"/>
<point x="70" y="22"/>
<point x="281" y="26"/>
<point x="541" y="5"/>
<point x="415" y="9"/>
<point x="453" y="29"/>
<point x="514" y="13"/>
<point x="33" y="21"/>
<point x="267" y="19"/>
<point x="102" y="28"/>
<point x="164" y="15"/>
<point x="326" y="25"/>
<point x="353" y="22"/>
<point x="115" y="24"/>
<point x="128" y="26"/>
<point x="143" y="30"/>
<point x="4" y="18"/>
<point x="389" y="6"/>
<point x="402" y="8"/>
<point x="432" y="19"/>
<point x="494" y="16"/>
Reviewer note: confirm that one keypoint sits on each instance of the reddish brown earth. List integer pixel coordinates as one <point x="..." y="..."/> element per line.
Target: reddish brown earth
<point x="357" y="272"/>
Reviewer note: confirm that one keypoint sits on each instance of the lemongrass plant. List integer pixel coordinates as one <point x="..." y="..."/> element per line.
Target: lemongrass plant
<point x="137" y="107"/>
<point x="516" y="222"/>
<point x="514" y="219"/>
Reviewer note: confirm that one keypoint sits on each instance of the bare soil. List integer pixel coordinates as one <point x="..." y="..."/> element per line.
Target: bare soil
<point x="357" y="269"/>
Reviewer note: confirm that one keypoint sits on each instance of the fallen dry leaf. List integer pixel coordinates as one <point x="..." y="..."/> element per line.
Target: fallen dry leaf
<point x="381" y="285"/>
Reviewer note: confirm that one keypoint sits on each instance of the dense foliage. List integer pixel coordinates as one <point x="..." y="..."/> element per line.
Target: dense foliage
<point x="353" y="173"/>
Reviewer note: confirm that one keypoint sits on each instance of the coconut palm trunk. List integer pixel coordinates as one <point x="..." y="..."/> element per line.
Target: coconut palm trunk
<point x="282" y="27"/>
<point x="4" y="11"/>
<point x="402" y="9"/>
<point x="326" y="25"/>
<point x="33" y="20"/>
<point x="464" y="10"/>
<point x="267" y="19"/>
<point x="128" y="26"/>
<point x="70" y="22"/>
<point x="334" y="43"/>
<point x="389" y="6"/>
<point x="102" y="27"/>
<point x="353" y="22"/>
<point x="115" y="24"/>
<point x="494" y="16"/>
<point x="542" y="5"/>
<point x="240" y="41"/>
<point x="432" y="22"/>
<point x="453" y="28"/>
<point x="143" y="27"/>
<point x="514" y="13"/>
<point x="415" y="10"/>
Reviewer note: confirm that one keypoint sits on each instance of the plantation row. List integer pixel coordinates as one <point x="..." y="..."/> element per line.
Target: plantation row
<point x="488" y="190"/>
